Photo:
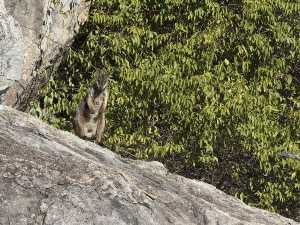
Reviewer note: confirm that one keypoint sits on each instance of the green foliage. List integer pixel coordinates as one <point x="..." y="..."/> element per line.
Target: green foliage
<point x="201" y="85"/>
<point x="56" y="2"/>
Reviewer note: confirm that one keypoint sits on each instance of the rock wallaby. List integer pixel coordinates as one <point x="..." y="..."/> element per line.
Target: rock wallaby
<point x="89" y="117"/>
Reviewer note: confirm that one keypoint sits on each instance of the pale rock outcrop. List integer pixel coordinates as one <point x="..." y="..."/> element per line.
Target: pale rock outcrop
<point x="49" y="176"/>
<point x="33" y="36"/>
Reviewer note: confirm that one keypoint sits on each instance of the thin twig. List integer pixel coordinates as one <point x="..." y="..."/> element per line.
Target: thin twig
<point x="289" y="155"/>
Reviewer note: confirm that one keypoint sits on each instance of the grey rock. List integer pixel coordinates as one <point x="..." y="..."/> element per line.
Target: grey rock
<point x="48" y="176"/>
<point x="33" y="36"/>
<point x="11" y="50"/>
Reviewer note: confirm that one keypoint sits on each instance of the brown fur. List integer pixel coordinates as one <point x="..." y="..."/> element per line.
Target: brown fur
<point x="89" y="117"/>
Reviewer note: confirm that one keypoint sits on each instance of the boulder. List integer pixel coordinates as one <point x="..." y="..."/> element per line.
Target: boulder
<point x="33" y="36"/>
<point x="48" y="176"/>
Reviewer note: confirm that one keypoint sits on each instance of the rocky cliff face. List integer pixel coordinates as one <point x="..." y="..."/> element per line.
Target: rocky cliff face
<point x="49" y="176"/>
<point x="33" y="35"/>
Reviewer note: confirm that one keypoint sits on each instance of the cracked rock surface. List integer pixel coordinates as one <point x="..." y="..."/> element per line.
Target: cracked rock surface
<point x="33" y="36"/>
<point x="49" y="176"/>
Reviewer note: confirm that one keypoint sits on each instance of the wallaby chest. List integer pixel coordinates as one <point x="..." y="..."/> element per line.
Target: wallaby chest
<point x="97" y="104"/>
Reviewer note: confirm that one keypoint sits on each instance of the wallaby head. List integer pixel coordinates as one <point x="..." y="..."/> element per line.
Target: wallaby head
<point x="101" y="80"/>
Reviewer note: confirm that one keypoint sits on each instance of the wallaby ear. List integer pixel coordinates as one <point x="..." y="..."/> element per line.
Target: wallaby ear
<point x="98" y="72"/>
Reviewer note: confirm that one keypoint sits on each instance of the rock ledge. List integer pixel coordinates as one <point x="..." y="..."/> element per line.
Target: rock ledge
<point x="49" y="176"/>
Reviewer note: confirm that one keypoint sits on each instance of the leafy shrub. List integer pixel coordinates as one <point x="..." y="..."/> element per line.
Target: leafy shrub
<point x="211" y="88"/>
